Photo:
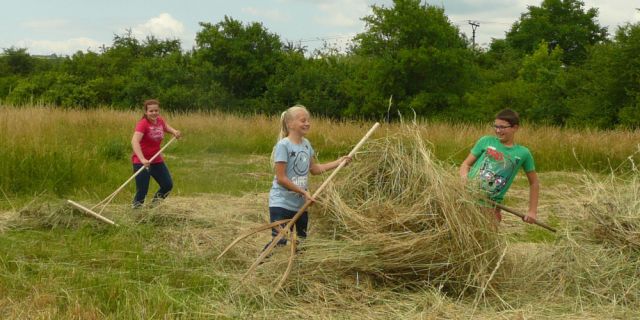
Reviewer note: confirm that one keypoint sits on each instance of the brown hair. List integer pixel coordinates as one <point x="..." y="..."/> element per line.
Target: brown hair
<point x="510" y="116"/>
<point x="146" y="105"/>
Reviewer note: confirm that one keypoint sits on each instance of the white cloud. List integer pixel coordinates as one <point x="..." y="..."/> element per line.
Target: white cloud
<point x="344" y="14"/>
<point x="64" y="47"/>
<point x="614" y="13"/>
<point x="163" y="26"/>
<point x="45" y="25"/>
<point x="273" y="15"/>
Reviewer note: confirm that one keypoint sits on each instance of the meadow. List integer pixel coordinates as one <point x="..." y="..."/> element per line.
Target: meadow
<point x="161" y="262"/>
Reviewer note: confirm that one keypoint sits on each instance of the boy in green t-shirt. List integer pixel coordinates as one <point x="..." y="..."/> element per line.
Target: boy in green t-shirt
<point x="494" y="162"/>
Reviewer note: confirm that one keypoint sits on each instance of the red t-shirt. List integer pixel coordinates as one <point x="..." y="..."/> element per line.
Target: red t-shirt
<point x="152" y="135"/>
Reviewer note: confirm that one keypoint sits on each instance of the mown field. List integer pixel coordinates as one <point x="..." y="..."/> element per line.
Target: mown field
<point x="161" y="262"/>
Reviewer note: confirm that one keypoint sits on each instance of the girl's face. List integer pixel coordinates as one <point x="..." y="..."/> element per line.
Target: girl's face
<point x="153" y="111"/>
<point x="300" y="123"/>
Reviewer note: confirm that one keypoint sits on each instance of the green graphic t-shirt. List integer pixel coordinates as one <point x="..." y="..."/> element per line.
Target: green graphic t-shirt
<point x="497" y="165"/>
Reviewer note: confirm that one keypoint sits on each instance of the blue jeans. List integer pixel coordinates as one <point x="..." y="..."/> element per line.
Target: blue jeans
<point x="277" y="213"/>
<point x="160" y="173"/>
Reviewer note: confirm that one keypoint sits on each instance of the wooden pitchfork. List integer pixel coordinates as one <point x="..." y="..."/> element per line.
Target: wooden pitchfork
<point x="290" y="222"/>
<point x="107" y="200"/>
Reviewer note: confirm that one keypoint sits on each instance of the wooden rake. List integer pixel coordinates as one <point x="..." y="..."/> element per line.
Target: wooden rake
<point x="107" y="200"/>
<point x="521" y="215"/>
<point x="291" y="222"/>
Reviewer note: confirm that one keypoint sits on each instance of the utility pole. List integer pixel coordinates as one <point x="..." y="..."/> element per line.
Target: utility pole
<point x="474" y="26"/>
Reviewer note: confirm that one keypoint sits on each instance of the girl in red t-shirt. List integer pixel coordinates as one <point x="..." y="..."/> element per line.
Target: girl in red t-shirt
<point x="146" y="142"/>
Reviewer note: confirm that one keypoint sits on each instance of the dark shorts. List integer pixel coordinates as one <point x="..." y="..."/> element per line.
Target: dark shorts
<point x="277" y="213"/>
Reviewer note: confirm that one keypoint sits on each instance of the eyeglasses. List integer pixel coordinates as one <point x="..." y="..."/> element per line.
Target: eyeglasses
<point x="497" y="127"/>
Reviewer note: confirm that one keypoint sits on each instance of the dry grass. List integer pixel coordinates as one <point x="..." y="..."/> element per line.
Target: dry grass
<point x="396" y="236"/>
<point x="613" y="211"/>
<point x="339" y="276"/>
<point x="399" y="216"/>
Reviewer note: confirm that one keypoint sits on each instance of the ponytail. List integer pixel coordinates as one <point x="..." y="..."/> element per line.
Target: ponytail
<point x="284" y="130"/>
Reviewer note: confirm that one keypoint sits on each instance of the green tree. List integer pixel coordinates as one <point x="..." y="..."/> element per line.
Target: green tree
<point x="314" y="82"/>
<point x="564" y="23"/>
<point x="545" y="75"/>
<point x="627" y="68"/>
<point x="606" y="88"/>
<point x="16" y="61"/>
<point x="241" y="58"/>
<point x="413" y="52"/>
<point x="594" y="95"/>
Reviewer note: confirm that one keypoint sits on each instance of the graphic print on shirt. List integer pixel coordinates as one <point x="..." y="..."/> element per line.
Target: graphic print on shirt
<point x="156" y="133"/>
<point x="496" y="171"/>
<point x="301" y="164"/>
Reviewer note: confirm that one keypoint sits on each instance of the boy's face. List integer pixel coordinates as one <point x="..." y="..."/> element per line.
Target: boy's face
<point x="504" y="130"/>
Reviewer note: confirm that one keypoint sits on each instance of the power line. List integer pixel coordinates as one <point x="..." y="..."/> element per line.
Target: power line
<point x="315" y="39"/>
<point x="485" y="22"/>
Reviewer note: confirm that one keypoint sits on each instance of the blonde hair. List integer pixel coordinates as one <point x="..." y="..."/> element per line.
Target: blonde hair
<point x="285" y="117"/>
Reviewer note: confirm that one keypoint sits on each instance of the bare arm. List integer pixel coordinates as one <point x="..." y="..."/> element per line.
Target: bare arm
<point x="466" y="166"/>
<point x="318" y="168"/>
<point x="534" y="191"/>
<point x="283" y="180"/>
<point x="174" y="132"/>
<point x="135" y="144"/>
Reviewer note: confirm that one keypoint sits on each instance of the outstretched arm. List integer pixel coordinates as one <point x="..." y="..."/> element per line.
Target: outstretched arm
<point x="318" y="168"/>
<point x="534" y="191"/>
<point x="174" y="132"/>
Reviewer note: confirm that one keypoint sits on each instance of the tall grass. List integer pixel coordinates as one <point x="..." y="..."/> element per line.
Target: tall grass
<point x="86" y="152"/>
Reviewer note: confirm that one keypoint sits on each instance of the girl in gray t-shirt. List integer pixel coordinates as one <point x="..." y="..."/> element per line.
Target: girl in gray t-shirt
<point x="292" y="158"/>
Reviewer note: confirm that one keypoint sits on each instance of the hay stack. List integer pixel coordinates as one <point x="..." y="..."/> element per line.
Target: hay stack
<point x="399" y="215"/>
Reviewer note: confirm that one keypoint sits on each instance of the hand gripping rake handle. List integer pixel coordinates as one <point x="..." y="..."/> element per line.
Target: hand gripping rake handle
<point x="507" y="209"/>
<point x="293" y="220"/>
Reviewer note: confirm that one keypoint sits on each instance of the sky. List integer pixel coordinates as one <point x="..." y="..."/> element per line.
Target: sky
<point x="65" y="26"/>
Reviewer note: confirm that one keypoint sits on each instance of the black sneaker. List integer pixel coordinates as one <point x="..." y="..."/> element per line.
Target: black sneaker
<point x="280" y="243"/>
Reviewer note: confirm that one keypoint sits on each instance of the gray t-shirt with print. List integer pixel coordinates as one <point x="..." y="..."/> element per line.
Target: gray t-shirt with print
<point x="298" y="158"/>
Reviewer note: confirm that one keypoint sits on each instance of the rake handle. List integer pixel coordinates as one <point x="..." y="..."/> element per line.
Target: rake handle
<point x="333" y="174"/>
<point x="111" y="196"/>
<point x="512" y="211"/>
<point x="343" y="163"/>
<point x="295" y="218"/>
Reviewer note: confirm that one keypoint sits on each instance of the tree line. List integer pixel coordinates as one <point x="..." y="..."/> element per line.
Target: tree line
<point x="556" y="65"/>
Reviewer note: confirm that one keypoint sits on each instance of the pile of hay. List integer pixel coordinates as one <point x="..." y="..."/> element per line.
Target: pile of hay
<point x="398" y="216"/>
<point x="613" y="211"/>
<point x="600" y="257"/>
<point x="595" y="261"/>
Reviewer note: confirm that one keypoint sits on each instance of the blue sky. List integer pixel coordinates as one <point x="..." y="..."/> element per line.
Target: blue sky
<point x="65" y="26"/>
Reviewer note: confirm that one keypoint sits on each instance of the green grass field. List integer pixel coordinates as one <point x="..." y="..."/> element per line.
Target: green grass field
<point x="160" y="263"/>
